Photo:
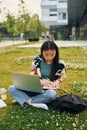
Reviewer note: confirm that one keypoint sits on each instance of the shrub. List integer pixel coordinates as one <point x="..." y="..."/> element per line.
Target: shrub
<point x="33" y="39"/>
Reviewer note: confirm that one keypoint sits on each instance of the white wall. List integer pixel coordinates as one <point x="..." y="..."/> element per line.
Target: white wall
<point x="47" y="15"/>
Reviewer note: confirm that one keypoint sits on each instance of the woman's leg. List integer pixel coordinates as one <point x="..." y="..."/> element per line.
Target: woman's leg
<point x="19" y="95"/>
<point x="46" y="97"/>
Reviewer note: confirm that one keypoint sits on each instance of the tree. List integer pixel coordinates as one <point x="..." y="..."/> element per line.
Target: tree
<point x="35" y="26"/>
<point x="11" y="24"/>
<point x="23" y="18"/>
<point x="18" y="25"/>
<point x="24" y="23"/>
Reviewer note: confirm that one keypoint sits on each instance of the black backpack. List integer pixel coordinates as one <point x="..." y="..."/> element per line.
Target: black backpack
<point x="70" y="103"/>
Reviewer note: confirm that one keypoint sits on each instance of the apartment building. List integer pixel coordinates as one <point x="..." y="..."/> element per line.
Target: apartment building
<point x="54" y="12"/>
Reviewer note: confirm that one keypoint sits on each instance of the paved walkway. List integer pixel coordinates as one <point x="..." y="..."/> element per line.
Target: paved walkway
<point x="59" y="43"/>
<point x="10" y="43"/>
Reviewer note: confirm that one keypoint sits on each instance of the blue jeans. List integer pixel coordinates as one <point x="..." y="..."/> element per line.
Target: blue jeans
<point x="22" y="96"/>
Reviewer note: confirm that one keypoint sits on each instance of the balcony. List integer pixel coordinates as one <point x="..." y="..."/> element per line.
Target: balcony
<point x="62" y="22"/>
<point x="62" y="5"/>
<point x="53" y="20"/>
<point x="48" y="3"/>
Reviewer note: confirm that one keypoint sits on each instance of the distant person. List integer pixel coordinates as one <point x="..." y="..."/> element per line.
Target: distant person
<point x="22" y="36"/>
<point x="47" y="35"/>
<point x="51" y="70"/>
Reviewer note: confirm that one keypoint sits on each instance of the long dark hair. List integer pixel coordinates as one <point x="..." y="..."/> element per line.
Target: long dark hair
<point x="50" y="45"/>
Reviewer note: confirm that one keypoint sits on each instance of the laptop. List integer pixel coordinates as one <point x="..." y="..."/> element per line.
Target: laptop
<point x="26" y="81"/>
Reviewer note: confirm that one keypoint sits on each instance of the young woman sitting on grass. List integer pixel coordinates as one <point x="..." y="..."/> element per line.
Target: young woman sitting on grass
<point x="51" y="70"/>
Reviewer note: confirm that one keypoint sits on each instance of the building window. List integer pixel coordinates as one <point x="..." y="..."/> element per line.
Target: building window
<point x="62" y="15"/>
<point x="53" y="9"/>
<point x="62" y="1"/>
<point x="52" y="14"/>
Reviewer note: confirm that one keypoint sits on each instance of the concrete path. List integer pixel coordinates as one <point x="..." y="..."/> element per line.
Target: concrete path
<point x="10" y="43"/>
<point x="59" y="43"/>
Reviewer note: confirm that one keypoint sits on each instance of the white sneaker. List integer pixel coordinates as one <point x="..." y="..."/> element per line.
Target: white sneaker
<point x="14" y="101"/>
<point x="39" y="105"/>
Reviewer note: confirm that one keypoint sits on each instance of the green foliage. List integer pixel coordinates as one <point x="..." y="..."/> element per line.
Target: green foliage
<point x="23" y="23"/>
<point x="23" y="18"/>
<point x="34" y="25"/>
<point x="60" y="36"/>
<point x="11" y="25"/>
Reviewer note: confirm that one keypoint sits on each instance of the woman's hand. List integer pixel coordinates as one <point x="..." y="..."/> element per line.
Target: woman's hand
<point x="57" y="84"/>
<point x="46" y="83"/>
<point x="49" y="84"/>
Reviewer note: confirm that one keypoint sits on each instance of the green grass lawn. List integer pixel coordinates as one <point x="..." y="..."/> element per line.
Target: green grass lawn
<point x="29" y="118"/>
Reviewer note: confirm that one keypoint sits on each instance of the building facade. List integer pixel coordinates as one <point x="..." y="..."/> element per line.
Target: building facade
<point x="54" y="12"/>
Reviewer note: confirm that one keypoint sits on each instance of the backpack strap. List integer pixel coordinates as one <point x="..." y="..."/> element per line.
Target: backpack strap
<point x="64" y="90"/>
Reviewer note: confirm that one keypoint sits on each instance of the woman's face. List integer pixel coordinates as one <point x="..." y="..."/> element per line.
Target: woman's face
<point x="49" y="55"/>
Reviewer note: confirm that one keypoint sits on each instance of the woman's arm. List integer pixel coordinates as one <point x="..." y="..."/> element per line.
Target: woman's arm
<point x="61" y="79"/>
<point x="35" y="68"/>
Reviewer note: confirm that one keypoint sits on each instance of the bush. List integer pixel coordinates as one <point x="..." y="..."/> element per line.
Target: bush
<point x="33" y="39"/>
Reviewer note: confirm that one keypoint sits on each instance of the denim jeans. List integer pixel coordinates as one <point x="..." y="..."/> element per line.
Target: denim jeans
<point x="22" y="96"/>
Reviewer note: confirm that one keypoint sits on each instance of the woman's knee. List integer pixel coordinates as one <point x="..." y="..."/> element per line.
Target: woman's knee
<point x="51" y="94"/>
<point x="11" y="89"/>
